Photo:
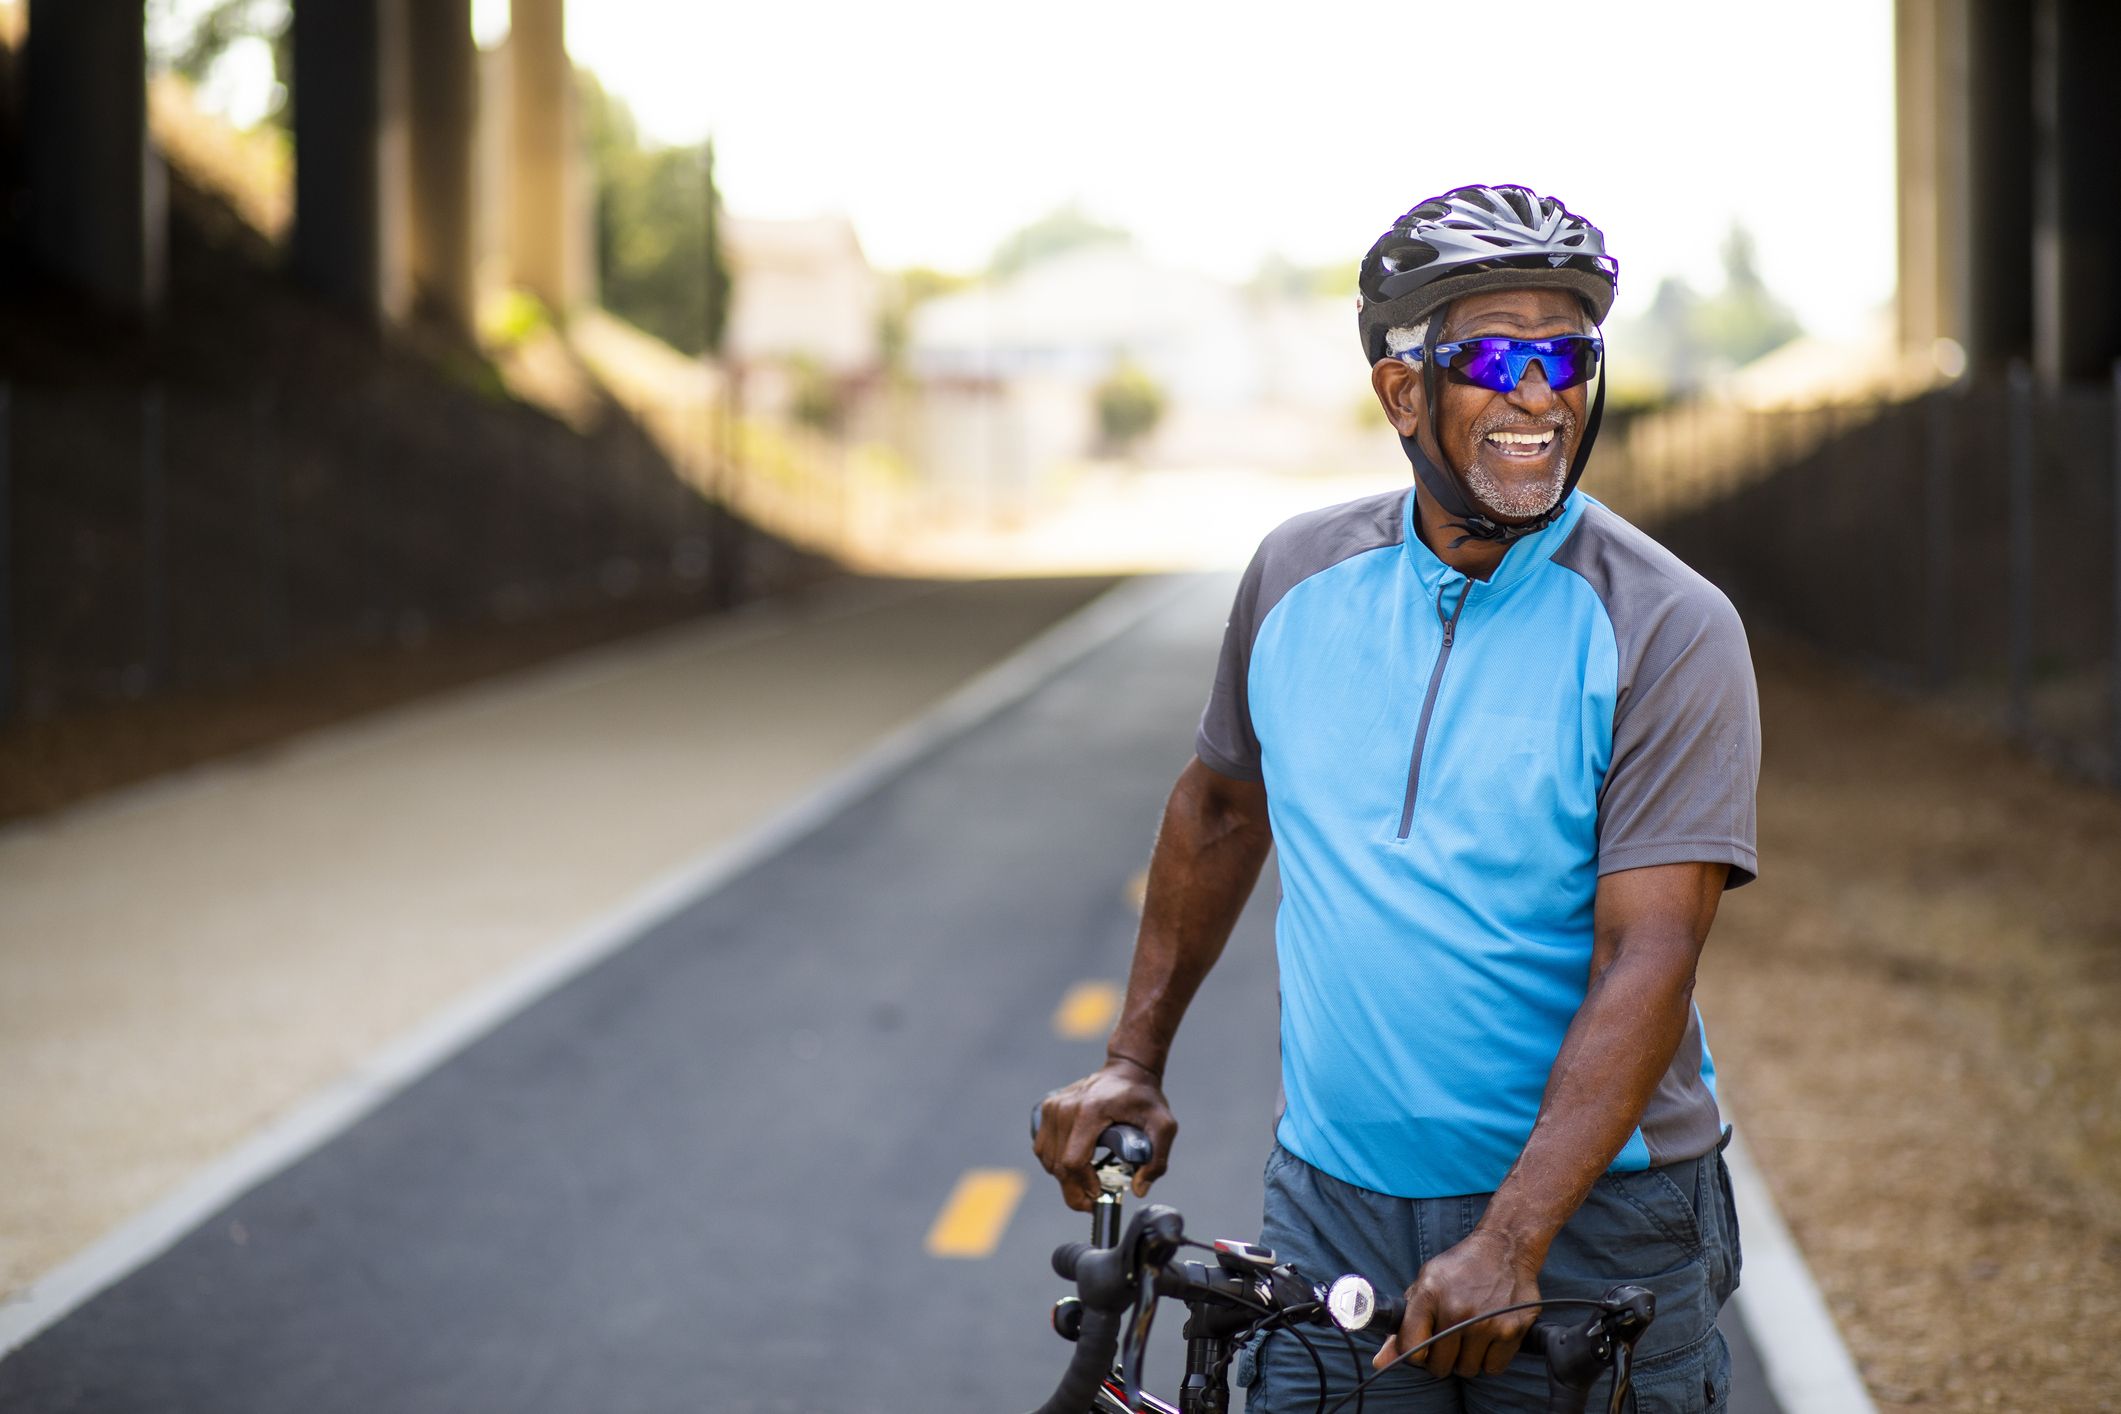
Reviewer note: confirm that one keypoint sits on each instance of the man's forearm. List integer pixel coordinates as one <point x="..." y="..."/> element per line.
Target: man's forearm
<point x="1616" y="1050"/>
<point x="1208" y="854"/>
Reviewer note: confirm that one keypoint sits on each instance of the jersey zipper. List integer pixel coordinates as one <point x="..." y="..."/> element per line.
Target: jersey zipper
<point x="1428" y="701"/>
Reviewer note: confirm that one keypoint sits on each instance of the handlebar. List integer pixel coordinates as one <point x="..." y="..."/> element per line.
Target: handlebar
<point x="1577" y="1351"/>
<point x="1121" y="1149"/>
<point x="1095" y="1345"/>
<point x="1108" y="1276"/>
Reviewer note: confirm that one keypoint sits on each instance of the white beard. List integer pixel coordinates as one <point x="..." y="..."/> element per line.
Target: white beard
<point x="1521" y="501"/>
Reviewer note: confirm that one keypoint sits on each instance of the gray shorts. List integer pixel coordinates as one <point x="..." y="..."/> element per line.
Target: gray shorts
<point x="1672" y="1229"/>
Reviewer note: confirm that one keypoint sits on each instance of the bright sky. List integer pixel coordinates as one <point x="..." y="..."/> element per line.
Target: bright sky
<point x="942" y="125"/>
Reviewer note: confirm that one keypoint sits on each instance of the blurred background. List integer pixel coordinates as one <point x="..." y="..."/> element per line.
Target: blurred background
<point x="463" y="462"/>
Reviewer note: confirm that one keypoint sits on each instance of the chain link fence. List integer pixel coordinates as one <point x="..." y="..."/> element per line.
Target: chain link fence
<point x="1964" y="543"/>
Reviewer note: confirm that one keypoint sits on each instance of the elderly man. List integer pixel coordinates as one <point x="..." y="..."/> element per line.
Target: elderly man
<point x="1507" y="747"/>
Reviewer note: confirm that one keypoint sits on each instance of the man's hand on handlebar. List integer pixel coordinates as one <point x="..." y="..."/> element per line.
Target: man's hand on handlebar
<point x="1071" y="1118"/>
<point x="1479" y="1274"/>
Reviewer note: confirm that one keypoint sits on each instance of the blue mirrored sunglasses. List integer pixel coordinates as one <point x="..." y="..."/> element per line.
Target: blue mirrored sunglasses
<point x="1498" y="364"/>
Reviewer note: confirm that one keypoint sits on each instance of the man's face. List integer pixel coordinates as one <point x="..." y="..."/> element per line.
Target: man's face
<point x="1512" y="450"/>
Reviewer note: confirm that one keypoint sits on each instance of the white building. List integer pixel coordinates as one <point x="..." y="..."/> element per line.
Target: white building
<point x="804" y="291"/>
<point x="1252" y="379"/>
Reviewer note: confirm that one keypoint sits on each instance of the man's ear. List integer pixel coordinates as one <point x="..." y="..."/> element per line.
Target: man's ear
<point x="1398" y="389"/>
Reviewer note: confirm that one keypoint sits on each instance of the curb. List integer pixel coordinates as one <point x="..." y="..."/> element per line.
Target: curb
<point x="1809" y="1369"/>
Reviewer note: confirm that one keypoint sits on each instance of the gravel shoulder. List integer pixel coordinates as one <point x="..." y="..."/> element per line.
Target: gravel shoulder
<point x="1913" y="1012"/>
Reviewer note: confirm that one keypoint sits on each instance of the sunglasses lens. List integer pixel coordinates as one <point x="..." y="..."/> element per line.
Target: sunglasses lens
<point x="1498" y="364"/>
<point x="1573" y="361"/>
<point x="1486" y="362"/>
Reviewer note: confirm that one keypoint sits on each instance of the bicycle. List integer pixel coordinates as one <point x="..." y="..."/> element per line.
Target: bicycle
<point x="1247" y="1291"/>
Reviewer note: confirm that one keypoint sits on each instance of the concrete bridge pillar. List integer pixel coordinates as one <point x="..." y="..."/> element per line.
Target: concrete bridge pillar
<point x="444" y="108"/>
<point x="352" y="154"/>
<point x="1999" y="216"/>
<point x="548" y="241"/>
<point x="2076" y="199"/>
<point x="100" y="193"/>
<point x="1929" y="62"/>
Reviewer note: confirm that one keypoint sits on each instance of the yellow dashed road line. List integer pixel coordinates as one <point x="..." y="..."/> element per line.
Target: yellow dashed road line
<point x="978" y="1210"/>
<point x="1088" y="1011"/>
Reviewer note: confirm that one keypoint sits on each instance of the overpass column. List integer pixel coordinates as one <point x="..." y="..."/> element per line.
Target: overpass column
<point x="1999" y="217"/>
<point x="2076" y="200"/>
<point x="444" y="106"/>
<point x="1929" y="61"/>
<point x="351" y="153"/>
<point x="548" y="236"/>
<point x="99" y="191"/>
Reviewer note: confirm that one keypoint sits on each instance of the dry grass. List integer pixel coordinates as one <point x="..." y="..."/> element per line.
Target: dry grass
<point x="1916" y="1011"/>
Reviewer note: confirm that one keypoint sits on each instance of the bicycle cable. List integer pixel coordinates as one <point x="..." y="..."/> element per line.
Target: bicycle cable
<point x="1354" y="1364"/>
<point x="1282" y="1318"/>
<point x="1409" y="1354"/>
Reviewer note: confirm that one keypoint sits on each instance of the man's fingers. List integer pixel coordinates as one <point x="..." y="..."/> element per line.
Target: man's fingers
<point x="1500" y="1354"/>
<point x="1163" y="1133"/>
<point x="1076" y="1177"/>
<point x="1472" y="1353"/>
<point x="1387" y="1355"/>
<point x="1045" y="1140"/>
<point x="1417" y="1325"/>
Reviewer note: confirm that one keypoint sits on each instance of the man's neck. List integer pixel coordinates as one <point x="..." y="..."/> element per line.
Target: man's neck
<point x="1475" y="559"/>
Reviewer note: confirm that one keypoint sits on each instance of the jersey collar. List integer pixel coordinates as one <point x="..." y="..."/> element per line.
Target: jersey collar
<point x="1518" y="562"/>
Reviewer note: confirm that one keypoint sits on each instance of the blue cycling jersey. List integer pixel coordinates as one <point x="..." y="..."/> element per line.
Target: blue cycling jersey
<point x="1450" y="766"/>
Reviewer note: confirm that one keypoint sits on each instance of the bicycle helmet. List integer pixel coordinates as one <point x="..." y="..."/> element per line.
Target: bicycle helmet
<point x="1480" y="238"/>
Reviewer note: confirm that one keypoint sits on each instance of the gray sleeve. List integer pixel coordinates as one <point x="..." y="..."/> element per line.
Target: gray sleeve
<point x="1293" y="551"/>
<point x="1225" y="740"/>
<point x="1686" y="740"/>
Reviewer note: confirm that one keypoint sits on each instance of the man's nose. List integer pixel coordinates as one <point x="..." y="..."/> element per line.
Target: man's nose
<point x="1533" y="393"/>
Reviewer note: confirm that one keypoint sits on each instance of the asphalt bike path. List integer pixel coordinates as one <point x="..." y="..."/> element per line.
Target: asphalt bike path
<point x="715" y="1170"/>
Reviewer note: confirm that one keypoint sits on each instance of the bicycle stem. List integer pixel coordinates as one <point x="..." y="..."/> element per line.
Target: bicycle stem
<point x="1104" y="1221"/>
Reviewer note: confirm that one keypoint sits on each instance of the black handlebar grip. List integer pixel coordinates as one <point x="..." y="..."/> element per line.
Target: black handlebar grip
<point x="1127" y="1145"/>
<point x="1122" y="1142"/>
<point x="1099" y="1273"/>
<point x="1095" y="1346"/>
<point x="1067" y="1256"/>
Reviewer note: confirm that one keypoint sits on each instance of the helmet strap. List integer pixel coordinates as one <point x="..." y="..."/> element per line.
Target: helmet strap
<point x="1446" y="487"/>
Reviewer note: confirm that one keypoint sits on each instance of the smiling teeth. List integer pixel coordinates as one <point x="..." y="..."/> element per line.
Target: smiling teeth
<point x="1521" y="439"/>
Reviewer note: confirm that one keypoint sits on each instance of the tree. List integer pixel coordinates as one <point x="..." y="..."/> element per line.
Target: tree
<point x="1065" y="229"/>
<point x="1278" y="276"/>
<point x="1744" y="320"/>
<point x="1129" y="405"/>
<point x="1685" y="340"/>
<point x="660" y="259"/>
<point x="904" y="292"/>
<point x="193" y="45"/>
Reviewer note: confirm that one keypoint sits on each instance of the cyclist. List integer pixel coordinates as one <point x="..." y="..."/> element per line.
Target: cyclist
<point x="1507" y="747"/>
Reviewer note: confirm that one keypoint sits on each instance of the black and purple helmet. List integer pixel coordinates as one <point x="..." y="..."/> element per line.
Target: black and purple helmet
<point x="1478" y="238"/>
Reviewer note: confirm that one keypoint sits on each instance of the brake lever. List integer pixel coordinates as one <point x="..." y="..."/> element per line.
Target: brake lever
<point x="1623" y="1377"/>
<point x="1151" y="1240"/>
<point x="1130" y="1360"/>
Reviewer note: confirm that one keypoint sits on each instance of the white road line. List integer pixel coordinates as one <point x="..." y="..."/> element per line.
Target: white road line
<point x="331" y="1111"/>
<point x="1808" y="1367"/>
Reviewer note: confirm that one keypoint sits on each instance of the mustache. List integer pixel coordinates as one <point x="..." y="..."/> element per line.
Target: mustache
<point x="1506" y="419"/>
